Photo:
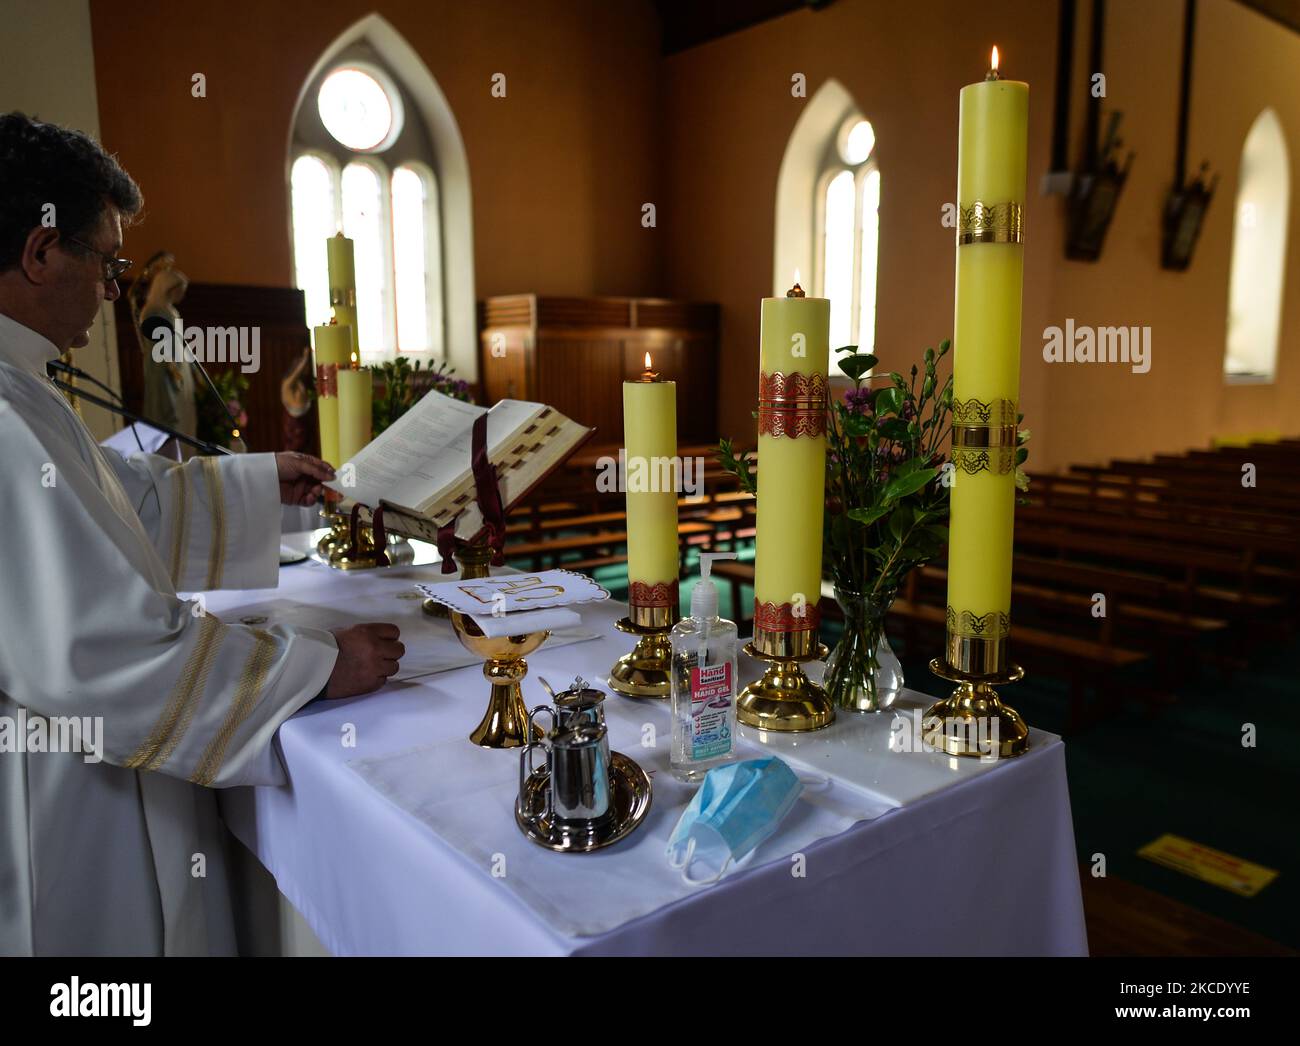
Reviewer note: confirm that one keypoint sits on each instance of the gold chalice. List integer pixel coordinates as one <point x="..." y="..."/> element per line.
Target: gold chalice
<point x="505" y="723"/>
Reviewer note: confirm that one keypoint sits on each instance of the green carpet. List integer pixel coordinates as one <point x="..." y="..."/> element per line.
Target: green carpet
<point x="1135" y="776"/>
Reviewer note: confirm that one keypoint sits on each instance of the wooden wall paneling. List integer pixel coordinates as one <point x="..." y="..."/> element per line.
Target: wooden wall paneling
<point x="575" y="353"/>
<point x="581" y="375"/>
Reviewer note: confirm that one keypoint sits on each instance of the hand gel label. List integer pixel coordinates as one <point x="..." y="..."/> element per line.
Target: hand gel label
<point x="710" y="702"/>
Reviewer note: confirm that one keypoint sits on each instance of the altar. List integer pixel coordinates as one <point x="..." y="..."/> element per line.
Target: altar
<point x="395" y="835"/>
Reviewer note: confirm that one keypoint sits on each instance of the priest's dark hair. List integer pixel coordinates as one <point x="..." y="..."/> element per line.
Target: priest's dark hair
<point x="43" y="164"/>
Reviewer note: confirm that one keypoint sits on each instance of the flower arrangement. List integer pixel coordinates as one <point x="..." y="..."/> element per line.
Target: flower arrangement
<point x="886" y="502"/>
<point x="396" y="392"/>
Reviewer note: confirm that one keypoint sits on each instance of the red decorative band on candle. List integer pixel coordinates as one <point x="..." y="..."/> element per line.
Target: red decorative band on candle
<point x="781" y="617"/>
<point x="658" y="594"/>
<point x="792" y="405"/>
<point x="327" y="379"/>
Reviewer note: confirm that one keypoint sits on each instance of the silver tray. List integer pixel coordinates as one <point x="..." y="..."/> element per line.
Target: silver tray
<point x="629" y="803"/>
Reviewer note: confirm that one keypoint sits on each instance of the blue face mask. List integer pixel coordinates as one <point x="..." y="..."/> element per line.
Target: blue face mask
<point x="737" y="807"/>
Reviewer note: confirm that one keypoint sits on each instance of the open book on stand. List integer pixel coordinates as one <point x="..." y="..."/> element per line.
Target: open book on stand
<point x="420" y="468"/>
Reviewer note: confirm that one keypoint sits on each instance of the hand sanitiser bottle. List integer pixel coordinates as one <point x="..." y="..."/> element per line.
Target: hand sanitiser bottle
<point x="703" y="682"/>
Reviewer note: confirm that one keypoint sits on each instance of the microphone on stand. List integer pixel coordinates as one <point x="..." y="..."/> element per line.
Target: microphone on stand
<point x="236" y="433"/>
<point x="67" y="368"/>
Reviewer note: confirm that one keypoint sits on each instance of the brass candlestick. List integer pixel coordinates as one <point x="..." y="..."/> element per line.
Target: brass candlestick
<point x="337" y="538"/>
<point x="367" y="545"/>
<point x="652" y="612"/>
<point x="785" y="699"/>
<point x="973" y="711"/>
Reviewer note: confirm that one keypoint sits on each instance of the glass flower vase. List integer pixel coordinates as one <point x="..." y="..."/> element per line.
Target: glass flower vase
<point x="862" y="673"/>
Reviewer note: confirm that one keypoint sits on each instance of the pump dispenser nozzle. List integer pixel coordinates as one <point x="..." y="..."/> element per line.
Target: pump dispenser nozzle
<point x="704" y="596"/>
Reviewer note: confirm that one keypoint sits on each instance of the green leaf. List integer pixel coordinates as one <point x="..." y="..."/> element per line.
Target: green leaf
<point x="888" y="401"/>
<point x="895" y="429"/>
<point x="899" y="521"/>
<point x="856" y="366"/>
<point x="900" y="487"/>
<point x="908" y="467"/>
<point x="868" y="515"/>
<point x="857" y="425"/>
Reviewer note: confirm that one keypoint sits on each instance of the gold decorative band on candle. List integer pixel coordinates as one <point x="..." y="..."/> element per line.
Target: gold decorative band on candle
<point x="653" y="605"/>
<point x="344" y="296"/>
<point x="783" y="631"/>
<point x="984" y="436"/>
<point x="991" y="223"/>
<point x="792" y="405"/>
<point x="327" y="379"/>
<point x="977" y="643"/>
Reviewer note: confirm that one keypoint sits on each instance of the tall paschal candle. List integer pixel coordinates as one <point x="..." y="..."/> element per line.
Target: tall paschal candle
<point x="794" y="354"/>
<point x="992" y="145"/>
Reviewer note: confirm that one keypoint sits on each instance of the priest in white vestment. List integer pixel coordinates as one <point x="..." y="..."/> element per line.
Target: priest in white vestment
<point x="124" y="855"/>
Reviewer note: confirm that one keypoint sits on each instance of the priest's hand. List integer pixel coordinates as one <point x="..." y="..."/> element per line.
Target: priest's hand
<point x="368" y="655"/>
<point x="301" y="476"/>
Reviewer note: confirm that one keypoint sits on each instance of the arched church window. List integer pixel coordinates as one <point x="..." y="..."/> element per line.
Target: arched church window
<point x="1258" y="254"/>
<point x="360" y="167"/>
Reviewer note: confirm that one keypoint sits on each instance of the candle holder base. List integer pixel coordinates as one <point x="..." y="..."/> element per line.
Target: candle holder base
<point x="785" y="700"/>
<point x="337" y="538"/>
<point x="644" y="673"/>
<point x="973" y="716"/>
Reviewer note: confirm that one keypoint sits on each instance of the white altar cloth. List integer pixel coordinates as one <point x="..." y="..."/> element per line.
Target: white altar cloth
<point x="957" y="858"/>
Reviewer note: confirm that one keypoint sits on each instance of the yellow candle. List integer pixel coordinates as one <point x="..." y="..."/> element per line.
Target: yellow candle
<point x="986" y="368"/>
<point x="793" y="359"/>
<point x="356" y="398"/>
<point x="650" y="441"/>
<point x="333" y="347"/>
<point x="343" y="285"/>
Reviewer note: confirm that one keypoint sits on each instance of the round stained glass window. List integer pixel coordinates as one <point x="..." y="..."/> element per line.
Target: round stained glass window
<point x="858" y="142"/>
<point x="358" y="110"/>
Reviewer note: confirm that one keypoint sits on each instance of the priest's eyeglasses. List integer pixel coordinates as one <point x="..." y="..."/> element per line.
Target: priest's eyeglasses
<point x="113" y="267"/>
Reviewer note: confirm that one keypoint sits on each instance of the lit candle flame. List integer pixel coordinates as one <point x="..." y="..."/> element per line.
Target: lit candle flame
<point x="647" y="361"/>
<point x="355" y="363"/>
<point x="994" y="64"/>
<point x="796" y="276"/>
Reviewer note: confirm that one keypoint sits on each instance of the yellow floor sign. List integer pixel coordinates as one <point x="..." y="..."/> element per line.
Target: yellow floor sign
<point x="1209" y="865"/>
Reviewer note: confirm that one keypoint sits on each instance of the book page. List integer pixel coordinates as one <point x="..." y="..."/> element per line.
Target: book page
<point x="417" y="456"/>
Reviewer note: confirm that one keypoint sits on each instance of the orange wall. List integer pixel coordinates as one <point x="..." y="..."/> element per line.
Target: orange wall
<point x="559" y="168"/>
<point x="596" y="123"/>
<point x="728" y="113"/>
